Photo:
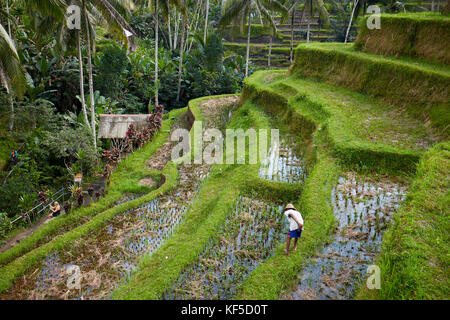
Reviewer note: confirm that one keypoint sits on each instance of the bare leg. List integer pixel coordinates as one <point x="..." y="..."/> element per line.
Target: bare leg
<point x="288" y="244"/>
<point x="295" y="244"/>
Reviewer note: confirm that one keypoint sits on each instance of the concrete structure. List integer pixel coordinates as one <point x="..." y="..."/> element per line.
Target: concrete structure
<point x="116" y="125"/>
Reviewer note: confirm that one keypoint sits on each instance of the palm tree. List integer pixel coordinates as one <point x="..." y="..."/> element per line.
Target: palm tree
<point x="180" y="64"/>
<point x="312" y="6"/>
<point x="115" y="22"/>
<point x="284" y="14"/>
<point x="80" y="68"/>
<point x="361" y="4"/>
<point x="206" y="21"/>
<point x="162" y="6"/>
<point x="239" y="12"/>
<point x="182" y="6"/>
<point x="12" y="73"/>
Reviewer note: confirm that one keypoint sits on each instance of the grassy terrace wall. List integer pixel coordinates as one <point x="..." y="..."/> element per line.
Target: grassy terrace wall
<point x="256" y="31"/>
<point x="305" y="112"/>
<point x="419" y="35"/>
<point x="280" y="271"/>
<point x="419" y="87"/>
<point x="157" y="272"/>
<point x="123" y="180"/>
<point x="277" y="273"/>
<point x="414" y="260"/>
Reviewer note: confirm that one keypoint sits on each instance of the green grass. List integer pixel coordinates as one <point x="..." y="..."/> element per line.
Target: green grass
<point x="256" y="31"/>
<point x="356" y="126"/>
<point x="280" y="271"/>
<point x="425" y="35"/>
<point x="217" y="197"/>
<point x="5" y="149"/>
<point x="255" y="49"/>
<point x="420" y="88"/>
<point x="415" y="260"/>
<point x="18" y="267"/>
<point x="124" y="180"/>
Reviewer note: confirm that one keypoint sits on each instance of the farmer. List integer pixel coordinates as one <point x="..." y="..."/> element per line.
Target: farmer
<point x="56" y="210"/>
<point x="295" y="226"/>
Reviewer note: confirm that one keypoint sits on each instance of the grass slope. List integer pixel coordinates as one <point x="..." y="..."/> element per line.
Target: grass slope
<point x="356" y="126"/>
<point x="425" y="35"/>
<point x="217" y="197"/>
<point x="415" y="259"/>
<point x="420" y="88"/>
<point x="124" y="180"/>
<point x="278" y="272"/>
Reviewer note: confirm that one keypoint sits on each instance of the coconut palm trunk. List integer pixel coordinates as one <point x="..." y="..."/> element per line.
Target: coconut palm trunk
<point x="206" y="21"/>
<point x="91" y="78"/>
<point x="156" y="53"/>
<point x="309" y="29"/>
<point x="169" y="31"/>
<point x="351" y="20"/>
<point x="309" y="21"/>
<point x="291" y="54"/>
<point x="270" y="49"/>
<point x="80" y="67"/>
<point x="247" y="57"/>
<point x="180" y="66"/>
<point x="11" y="108"/>
<point x="9" y="22"/>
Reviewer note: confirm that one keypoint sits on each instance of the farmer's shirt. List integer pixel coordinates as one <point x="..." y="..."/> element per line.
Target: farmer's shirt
<point x="292" y="224"/>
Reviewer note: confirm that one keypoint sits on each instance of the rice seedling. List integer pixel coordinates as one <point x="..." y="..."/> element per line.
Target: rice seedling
<point x="286" y="166"/>
<point x="337" y="271"/>
<point x="249" y="236"/>
<point x="110" y="254"/>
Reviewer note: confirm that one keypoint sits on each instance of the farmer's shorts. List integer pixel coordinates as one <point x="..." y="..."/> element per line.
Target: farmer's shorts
<point x="295" y="233"/>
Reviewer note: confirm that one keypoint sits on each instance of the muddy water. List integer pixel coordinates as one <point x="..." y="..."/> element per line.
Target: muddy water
<point x="282" y="164"/>
<point x="110" y="254"/>
<point x="363" y="210"/>
<point x="106" y="256"/>
<point x="248" y="237"/>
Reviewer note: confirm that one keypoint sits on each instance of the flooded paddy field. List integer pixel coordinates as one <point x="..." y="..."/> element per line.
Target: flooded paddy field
<point x="363" y="209"/>
<point x="109" y="255"/>
<point x="248" y="237"/>
<point x="283" y="164"/>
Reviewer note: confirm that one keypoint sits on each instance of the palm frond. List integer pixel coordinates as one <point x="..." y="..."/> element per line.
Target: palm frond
<point x="115" y="20"/>
<point x="54" y="8"/>
<point x="12" y="73"/>
<point x="233" y="13"/>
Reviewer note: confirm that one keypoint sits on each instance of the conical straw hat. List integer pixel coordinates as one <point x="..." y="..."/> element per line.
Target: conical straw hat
<point x="289" y="206"/>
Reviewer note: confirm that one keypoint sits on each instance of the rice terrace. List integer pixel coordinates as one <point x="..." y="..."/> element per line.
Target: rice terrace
<point x="224" y="150"/>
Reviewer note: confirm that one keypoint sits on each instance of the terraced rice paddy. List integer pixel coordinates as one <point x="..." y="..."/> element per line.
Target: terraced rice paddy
<point x="282" y="164"/>
<point x="247" y="238"/>
<point x="106" y="256"/>
<point x="110" y="254"/>
<point x="363" y="210"/>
